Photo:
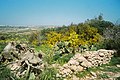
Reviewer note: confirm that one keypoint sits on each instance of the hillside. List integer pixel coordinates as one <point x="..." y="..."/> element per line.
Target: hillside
<point x="84" y="51"/>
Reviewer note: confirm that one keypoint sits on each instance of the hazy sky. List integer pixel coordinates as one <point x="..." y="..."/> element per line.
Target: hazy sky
<point x="56" y="12"/>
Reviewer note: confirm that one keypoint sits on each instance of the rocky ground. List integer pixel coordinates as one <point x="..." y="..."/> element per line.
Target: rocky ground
<point x="21" y="59"/>
<point x="100" y="74"/>
<point x="91" y="65"/>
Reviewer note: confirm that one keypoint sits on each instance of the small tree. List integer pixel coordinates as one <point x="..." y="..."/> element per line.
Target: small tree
<point x="34" y="38"/>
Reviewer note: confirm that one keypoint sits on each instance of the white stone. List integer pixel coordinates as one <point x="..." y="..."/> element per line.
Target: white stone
<point x="86" y="64"/>
<point x="93" y="73"/>
<point x="75" y="78"/>
<point x="101" y="54"/>
<point x="65" y="65"/>
<point x="118" y="65"/>
<point x="73" y="62"/>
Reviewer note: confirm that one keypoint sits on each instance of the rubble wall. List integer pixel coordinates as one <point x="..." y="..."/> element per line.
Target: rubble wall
<point x="80" y="62"/>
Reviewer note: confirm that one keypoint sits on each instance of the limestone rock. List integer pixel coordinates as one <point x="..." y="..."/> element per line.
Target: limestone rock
<point x="79" y="62"/>
<point x="93" y="73"/>
<point x="86" y="64"/>
<point x="118" y="65"/>
<point x="76" y="68"/>
<point x="75" y="77"/>
<point x="101" y="55"/>
<point x="73" y="62"/>
<point x="20" y="58"/>
<point x="35" y="60"/>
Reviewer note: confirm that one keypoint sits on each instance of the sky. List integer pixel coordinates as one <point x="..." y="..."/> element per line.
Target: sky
<point x="56" y="12"/>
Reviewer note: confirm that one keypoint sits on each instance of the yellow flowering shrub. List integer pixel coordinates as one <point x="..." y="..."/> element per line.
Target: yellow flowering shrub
<point x="87" y="36"/>
<point x="52" y="38"/>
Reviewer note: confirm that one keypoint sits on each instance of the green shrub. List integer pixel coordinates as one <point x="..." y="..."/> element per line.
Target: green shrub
<point x="2" y="45"/>
<point x="104" y="75"/>
<point x="5" y="73"/>
<point x="112" y="69"/>
<point x="115" y="60"/>
<point x="48" y="74"/>
<point x="47" y="53"/>
<point x="63" y="59"/>
<point x="112" y="38"/>
<point x="82" y="74"/>
<point x="118" y="78"/>
<point x="62" y="52"/>
<point x="44" y="48"/>
<point x="48" y="58"/>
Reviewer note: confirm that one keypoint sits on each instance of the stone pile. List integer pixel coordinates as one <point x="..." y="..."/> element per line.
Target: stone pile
<point x="21" y="59"/>
<point x="80" y="62"/>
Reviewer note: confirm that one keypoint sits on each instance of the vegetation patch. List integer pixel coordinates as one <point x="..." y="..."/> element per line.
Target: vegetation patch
<point x="103" y="76"/>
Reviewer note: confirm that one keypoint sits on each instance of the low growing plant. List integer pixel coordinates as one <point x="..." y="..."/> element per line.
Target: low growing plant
<point x="5" y="73"/>
<point x="48" y="74"/>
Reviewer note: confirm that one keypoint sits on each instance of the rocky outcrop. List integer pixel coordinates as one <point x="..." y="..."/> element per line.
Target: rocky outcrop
<point x="80" y="62"/>
<point x="22" y="59"/>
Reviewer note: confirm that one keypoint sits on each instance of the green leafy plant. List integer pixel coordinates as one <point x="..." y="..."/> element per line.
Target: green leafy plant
<point x="48" y="74"/>
<point x="112" y="69"/>
<point x="104" y="76"/>
<point x="62" y="52"/>
<point x="82" y="74"/>
<point x="118" y="78"/>
<point x="115" y="60"/>
<point x="2" y="45"/>
<point x="63" y="59"/>
<point x="5" y="73"/>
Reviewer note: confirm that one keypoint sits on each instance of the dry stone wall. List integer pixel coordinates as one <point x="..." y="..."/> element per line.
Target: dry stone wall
<point x="80" y="62"/>
<point x="26" y="60"/>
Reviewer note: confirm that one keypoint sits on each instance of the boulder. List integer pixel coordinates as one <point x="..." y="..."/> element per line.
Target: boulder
<point x="86" y="64"/>
<point x="93" y="74"/>
<point x="75" y="77"/>
<point x="118" y="65"/>
<point x="35" y="60"/>
<point x="73" y="62"/>
<point x="101" y="54"/>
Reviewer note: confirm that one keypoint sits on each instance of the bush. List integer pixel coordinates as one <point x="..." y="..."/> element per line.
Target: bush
<point x="81" y="34"/>
<point x="63" y="59"/>
<point x="62" y="52"/>
<point x="48" y="74"/>
<point x="104" y="76"/>
<point x="112" y="39"/>
<point x="2" y="46"/>
<point x="5" y="73"/>
<point x="118" y="78"/>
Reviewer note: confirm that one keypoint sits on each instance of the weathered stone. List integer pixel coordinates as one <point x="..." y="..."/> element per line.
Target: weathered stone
<point x="75" y="77"/>
<point x="65" y="72"/>
<point x="81" y="59"/>
<point x="118" y="65"/>
<point x="9" y="47"/>
<point x="101" y="54"/>
<point x="14" y="66"/>
<point x="28" y="56"/>
<point x="80" y="68"/>
<point x="65" y="65"/>
<point x="93" y="73"/>
<point x="35" y="60"/>
<point x="20" y="58"/>
<point x="56" y="66"/>
<point x="73" y="62"/>
<point x="79" y="62"/>
<point x="58" y="75"/>
<point x="73" y="68"/>
<point x="86" y="64"/>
